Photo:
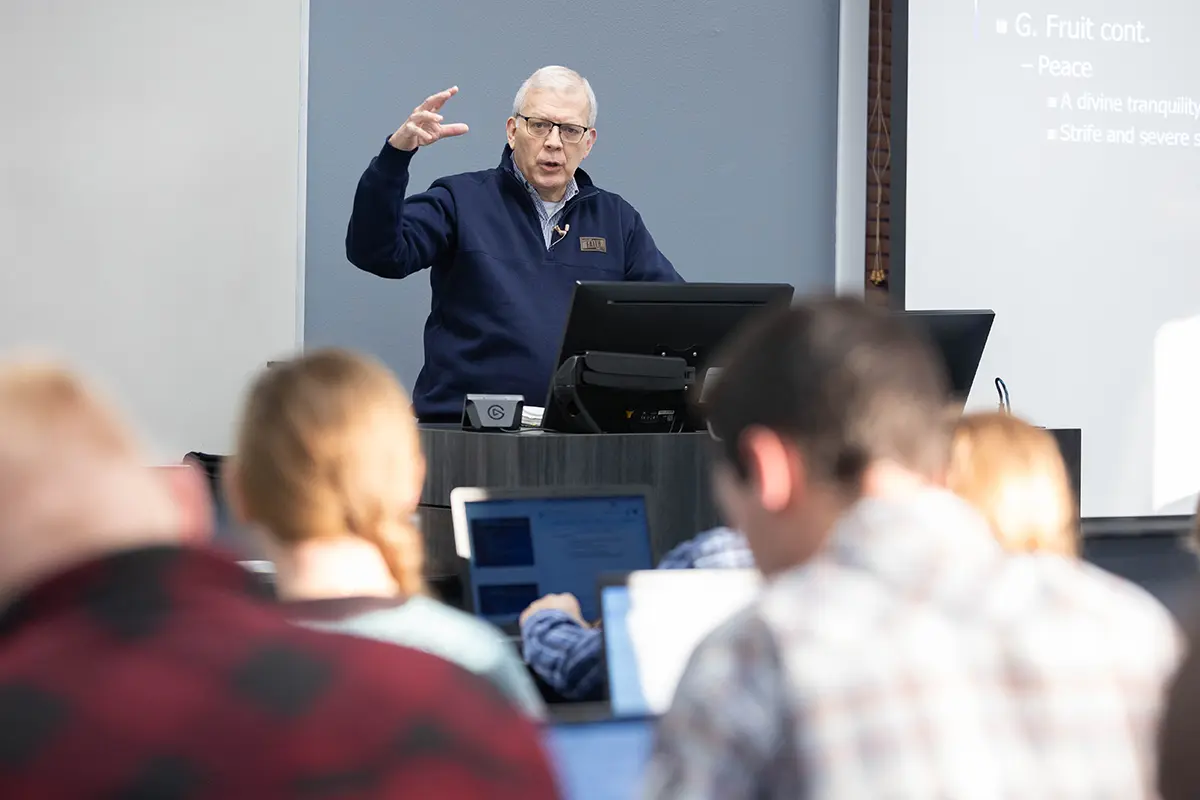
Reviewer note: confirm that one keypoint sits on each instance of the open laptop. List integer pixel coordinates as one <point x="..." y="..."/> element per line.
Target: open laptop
<point x="653" y="620"/>
<point x="517" y="545"/>
<point x="600" y="759"/>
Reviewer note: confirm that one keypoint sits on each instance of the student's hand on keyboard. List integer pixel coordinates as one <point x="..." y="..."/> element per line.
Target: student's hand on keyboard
<point x="566" y="603"/>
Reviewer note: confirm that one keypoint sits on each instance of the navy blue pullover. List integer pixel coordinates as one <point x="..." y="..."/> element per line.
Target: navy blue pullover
<point x="500" y="297"/>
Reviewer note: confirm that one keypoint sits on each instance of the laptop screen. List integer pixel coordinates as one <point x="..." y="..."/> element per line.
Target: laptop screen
<point x="602" y="760"/>
<point x="522" y="549"/>
<point x="624" y="683"/>
<point x="658" y="621"/>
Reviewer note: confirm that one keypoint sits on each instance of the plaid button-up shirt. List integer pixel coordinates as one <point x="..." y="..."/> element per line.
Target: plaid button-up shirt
<point x="568" y="656"/>
<point x="914" y="659"/>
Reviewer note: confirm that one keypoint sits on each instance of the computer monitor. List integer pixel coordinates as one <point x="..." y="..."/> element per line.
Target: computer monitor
<point x="600" y="759"/>
<point x="669" y="329"/>
<point x="520" y="544"/>
<point x="960" y="337"/>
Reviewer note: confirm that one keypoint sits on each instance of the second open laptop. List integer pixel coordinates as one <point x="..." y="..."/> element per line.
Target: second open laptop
<point x="517" y="545"/>
<point x="653" y="620"/>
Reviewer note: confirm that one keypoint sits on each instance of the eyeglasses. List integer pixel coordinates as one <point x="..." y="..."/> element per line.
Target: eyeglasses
<point x="540" y="129"/>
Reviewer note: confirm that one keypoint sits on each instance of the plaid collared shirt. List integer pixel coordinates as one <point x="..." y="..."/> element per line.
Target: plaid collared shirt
<point x="568" y="656"/>
<point x="914" y="659"/>
<point x="548" y="221"/>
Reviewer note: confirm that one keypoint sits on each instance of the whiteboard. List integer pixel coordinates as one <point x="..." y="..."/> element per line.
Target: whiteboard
<point x="150" y="179"/>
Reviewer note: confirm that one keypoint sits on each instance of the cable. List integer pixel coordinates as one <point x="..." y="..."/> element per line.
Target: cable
<point x="1002" y="390"/>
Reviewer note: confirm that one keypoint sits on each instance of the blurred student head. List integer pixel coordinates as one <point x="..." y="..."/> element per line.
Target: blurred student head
<point x="75" y="482"/>
<point x="329" y="470"/>
<point x="816" y="406"/>
<point x="1014" y="474"/>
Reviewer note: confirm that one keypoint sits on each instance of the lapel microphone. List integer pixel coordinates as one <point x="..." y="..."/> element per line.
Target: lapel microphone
<point x="562" y="233"/>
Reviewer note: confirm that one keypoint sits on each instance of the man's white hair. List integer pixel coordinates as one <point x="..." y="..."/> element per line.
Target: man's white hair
<point x="562" y="78"/>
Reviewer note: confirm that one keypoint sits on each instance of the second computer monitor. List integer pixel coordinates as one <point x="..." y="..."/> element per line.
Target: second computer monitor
<point x="960" y="338"/>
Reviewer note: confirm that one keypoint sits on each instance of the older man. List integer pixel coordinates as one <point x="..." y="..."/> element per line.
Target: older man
<point x="134" y="666"/>
<point x="505" y="245"/>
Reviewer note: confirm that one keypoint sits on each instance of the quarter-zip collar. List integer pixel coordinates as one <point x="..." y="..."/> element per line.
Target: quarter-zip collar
<point x="579" y="188"/>
<point x="582" y="180"/>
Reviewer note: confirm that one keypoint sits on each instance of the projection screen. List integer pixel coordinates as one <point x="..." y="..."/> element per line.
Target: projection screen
<point x="1052" y="153"/>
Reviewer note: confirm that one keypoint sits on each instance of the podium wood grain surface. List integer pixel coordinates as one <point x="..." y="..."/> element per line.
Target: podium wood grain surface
<point x="673" y="466"/>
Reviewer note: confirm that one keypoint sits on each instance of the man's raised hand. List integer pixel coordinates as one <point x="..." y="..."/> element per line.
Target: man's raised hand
<point x="424" y="125"/>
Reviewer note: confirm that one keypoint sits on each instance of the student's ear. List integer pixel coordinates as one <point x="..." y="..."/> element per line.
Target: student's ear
<point x="188" y="486"/>
<point x="776" y="470"/>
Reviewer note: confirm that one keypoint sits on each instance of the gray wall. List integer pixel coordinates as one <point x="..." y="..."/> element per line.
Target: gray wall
<point x="717" y="120"/>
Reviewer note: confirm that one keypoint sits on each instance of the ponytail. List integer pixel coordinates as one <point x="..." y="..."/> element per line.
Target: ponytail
<point x="399" y="542"/>
<point x="328" y="445"/>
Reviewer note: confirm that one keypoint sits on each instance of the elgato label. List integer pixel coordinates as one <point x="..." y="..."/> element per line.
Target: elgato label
<point x="494" y="412"/>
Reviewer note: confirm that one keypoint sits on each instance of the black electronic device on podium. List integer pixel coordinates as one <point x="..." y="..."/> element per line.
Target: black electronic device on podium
<point x="631" y="352"/>
<point x="960" y="337"/>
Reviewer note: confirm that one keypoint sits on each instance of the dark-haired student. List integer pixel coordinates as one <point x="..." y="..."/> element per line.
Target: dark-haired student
<point x="897" y="650"/>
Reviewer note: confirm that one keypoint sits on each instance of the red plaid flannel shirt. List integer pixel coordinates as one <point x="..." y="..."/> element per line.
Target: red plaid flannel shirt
<point x="160" y="673"/>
